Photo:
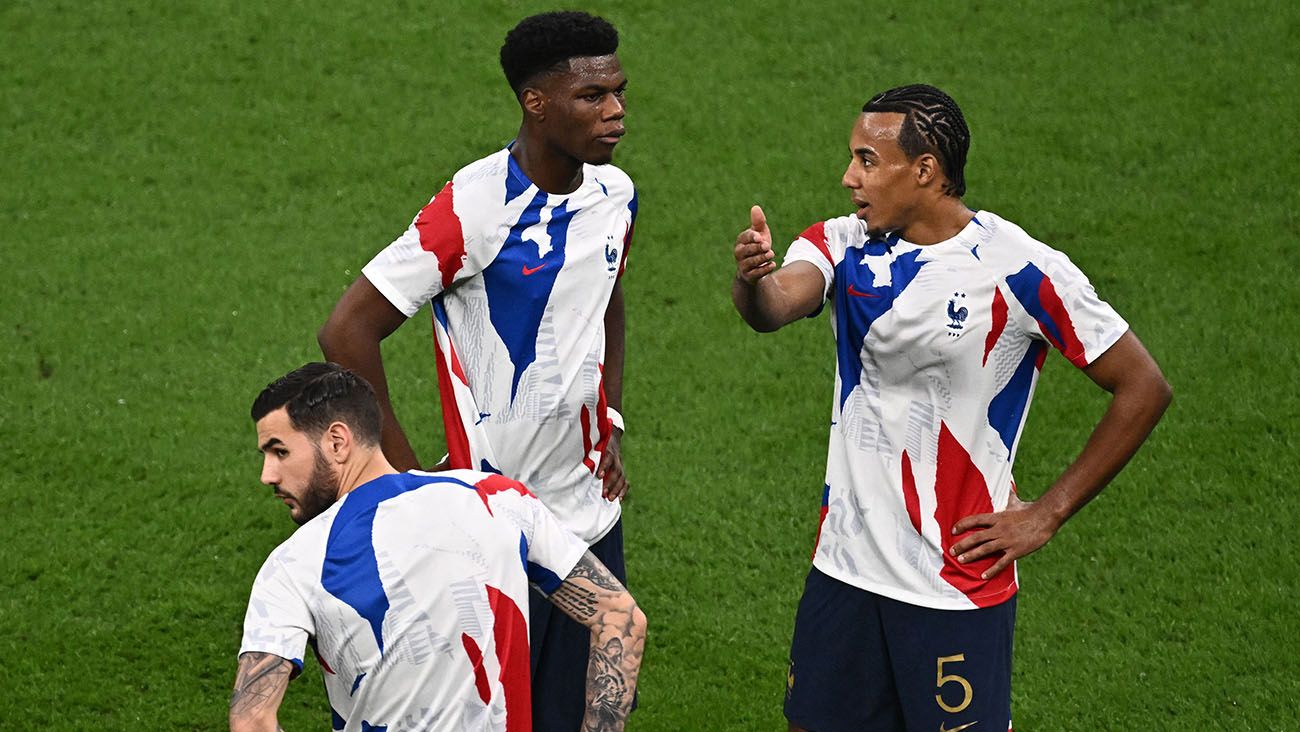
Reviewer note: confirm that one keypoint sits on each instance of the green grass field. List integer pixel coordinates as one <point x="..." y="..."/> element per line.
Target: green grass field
<point x="188" y="187"/>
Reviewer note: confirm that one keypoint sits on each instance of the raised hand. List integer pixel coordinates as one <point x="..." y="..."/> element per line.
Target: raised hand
<point x="753" y="252"/>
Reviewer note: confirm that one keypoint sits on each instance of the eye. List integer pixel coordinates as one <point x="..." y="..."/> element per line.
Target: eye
<point x="281" y="453"/>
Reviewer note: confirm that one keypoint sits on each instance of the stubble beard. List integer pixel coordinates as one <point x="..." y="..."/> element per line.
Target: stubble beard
<point x="321" y="492"/>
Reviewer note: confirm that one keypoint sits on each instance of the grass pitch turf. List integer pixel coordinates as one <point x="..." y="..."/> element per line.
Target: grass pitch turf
<point x="188" y="187"/>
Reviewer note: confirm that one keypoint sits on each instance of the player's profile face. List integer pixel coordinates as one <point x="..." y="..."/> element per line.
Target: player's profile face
<point x="878" y="176"/>
<point x="294" y="466"/>
<point x="585" y="108"/>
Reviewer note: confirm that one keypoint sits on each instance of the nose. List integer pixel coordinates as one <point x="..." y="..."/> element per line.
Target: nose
<point x="614" y="108"/>
<point x="848" y="181"/>
<point x="270" y="476"/>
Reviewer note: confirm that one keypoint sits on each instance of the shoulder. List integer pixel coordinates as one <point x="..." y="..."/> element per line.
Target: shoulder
<point x="616" y="183"/>
<point x="1008" y="248"/>
<point x="489" y="172"/>
<point x="838" y="233"/>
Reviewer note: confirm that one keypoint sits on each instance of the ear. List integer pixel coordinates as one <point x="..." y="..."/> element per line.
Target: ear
<point x="337" y="442"/>
<point x="927" y="169"/>
<point x="533" y="101"/>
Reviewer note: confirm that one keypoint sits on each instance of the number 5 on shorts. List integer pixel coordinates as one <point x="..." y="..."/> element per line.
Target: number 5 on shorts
<point x="941" y="679"/>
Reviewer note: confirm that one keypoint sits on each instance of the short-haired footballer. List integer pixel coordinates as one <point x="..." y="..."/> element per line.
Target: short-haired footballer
<point x="411" y="588"/>
<point x="521" y="256"/>
<point x="942" y="318"/>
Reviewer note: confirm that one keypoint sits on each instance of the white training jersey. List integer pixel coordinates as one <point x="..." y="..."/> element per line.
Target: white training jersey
<point x="520" y="280"/>
<point x="412" y="591"/>
<point x="938" y="350"/>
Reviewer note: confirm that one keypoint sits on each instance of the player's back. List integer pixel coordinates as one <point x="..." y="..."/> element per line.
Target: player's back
<point x="413" y="589"/>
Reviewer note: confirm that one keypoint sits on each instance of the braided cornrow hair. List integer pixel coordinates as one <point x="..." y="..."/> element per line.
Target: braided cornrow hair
<point x="933" y="124"/>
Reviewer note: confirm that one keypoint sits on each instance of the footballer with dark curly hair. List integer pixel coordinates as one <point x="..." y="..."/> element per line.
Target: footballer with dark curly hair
<point x="521" y="255"/>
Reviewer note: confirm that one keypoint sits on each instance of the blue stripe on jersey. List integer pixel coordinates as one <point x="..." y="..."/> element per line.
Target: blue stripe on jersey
<point x="859" y="303"/>
<point x="1025" y="285"/>
<point x="337" y="722"/>
<point x="350" y="571"/>
<point x="1008" y="408"/>
<point x="544" y="578"/>
<point x="516" y="181"/>
<point x="519" y="283"/>
<point x="368" y="727"/>
<point x="486" y="467"/>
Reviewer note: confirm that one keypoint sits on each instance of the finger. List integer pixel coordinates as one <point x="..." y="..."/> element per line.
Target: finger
<point x="619" y="490"/>
<point x="757" y="220"/>
<point x="757" y="260"/>
<point x="979" y="552"/>
<point x="974" y="521"/>
<point x="970" y="542"/>
<point x="998" y="566"/>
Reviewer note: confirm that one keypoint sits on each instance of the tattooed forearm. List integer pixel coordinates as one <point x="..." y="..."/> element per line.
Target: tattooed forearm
<point x="259" y="686"/>
<point x="594" y="597"/>
<point x="590" y="568"/>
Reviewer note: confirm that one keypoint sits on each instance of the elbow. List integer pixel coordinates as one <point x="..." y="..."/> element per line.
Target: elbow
<point x="327" y="337"/>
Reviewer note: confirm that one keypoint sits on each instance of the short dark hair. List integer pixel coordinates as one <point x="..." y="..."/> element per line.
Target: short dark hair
<point x="545" y="42"/>
<point x="932" y="123"/>
<point x="318" y="394"/>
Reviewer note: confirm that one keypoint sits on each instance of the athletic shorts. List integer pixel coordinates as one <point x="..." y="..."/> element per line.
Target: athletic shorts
<point x="559" y="648"/>
<point x="860" y="661"/>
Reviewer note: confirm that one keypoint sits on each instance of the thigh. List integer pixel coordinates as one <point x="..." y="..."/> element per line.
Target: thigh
<point x="952" y="667"/>
<point x="840" y="678"/>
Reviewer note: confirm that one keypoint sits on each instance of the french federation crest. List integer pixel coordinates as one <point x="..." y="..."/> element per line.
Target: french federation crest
<point x="957" y="314"/>
<point x="611" y="254"/>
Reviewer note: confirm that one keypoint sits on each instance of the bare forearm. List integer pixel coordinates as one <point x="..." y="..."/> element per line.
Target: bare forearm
<point x="759" y="303"/>
<point x="260" y="684"/>
<point x="359" y="350"/>
<point x="1134" y="411"/>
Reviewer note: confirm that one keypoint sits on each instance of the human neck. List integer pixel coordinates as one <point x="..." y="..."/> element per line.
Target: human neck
<point x="356" y="473"/>
<point x="940" y="221"/>
<point x="548" y="168"/>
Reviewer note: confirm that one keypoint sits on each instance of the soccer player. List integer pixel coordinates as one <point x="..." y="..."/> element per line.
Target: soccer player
<point x="521" y="255"/>
<point x="409" y="587"/>
<point x="942" y="319"/>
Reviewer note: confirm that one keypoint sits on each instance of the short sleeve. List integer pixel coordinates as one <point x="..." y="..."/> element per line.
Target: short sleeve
<point x="425" y="259"/>
<point x="278" y="620"/>
<point x="817" y="248"/>
<point x="1059" y="305"/>
<point x="550" y="550"/>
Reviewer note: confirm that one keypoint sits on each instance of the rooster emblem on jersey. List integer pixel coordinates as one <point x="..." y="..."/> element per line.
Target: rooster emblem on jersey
<point x="611" y="253"/>
<point x="956" y="313"/>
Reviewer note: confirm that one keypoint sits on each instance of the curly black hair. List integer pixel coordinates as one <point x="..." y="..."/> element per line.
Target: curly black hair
<point x="933" y="124"/>
<point x="544" y="42"/>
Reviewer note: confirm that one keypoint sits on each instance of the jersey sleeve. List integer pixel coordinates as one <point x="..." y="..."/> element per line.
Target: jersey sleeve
<point x="1058" y="304"/>
<point x="627" y="237"/>
<point x="550" y="550"/>
<point x="820" y="246"/>
<point x="427" y="258"/>
<point x="278" y="620"/>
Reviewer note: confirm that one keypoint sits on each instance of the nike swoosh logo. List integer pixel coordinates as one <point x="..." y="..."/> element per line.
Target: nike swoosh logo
<point x="531" y="270"/>
<point x="942" y="728"/>
<point x="858" y="293"/>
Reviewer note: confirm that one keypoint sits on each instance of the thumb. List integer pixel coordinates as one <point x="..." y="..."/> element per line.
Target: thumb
<point x="757" y="221"/>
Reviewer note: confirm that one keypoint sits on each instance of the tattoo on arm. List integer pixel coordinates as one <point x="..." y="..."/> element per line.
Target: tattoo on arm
<point x="592" y="596"/>
<point x="259" y="684"/>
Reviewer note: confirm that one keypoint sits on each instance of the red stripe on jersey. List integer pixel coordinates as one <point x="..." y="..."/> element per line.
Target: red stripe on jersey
<point x="441" y="234"/>
<point x="457" y="439"/>
<point x="960" y="490"/>
<point x="999" y="324"/>
<point x="821" y="519"/>
<point x="584" y="420"/>
<point x="494" y="484"/>
<point x="627" y="243"/>
<point x="321" y="660"/>
<point x="511" y="633"/>
<point x="476" y="660"/>
<point x="910" y="497"/>
<point x="603" y="428"/>
<point x="816" y="235"/>
<point x="1072" y="349"/>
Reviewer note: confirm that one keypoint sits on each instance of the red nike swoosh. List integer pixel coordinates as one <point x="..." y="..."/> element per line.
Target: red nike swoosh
<point x="857" y="293"/>
<point x="531" y="270"/>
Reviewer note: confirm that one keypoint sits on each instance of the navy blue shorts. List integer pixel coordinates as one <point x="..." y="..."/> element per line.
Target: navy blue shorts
<point x="560" y="646"/>
<point x="860" y="661"/>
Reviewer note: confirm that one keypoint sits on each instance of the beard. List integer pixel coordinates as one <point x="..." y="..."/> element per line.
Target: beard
<point x="321" y="492"/>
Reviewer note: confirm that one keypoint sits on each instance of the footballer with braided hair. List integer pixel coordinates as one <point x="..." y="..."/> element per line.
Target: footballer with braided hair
<point x="521" y="256"/>
<point x="943" y="317"/>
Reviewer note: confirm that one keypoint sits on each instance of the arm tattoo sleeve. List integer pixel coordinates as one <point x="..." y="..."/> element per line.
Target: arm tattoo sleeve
<point x="259" y="685"/>
<point x="595" y="598"/>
